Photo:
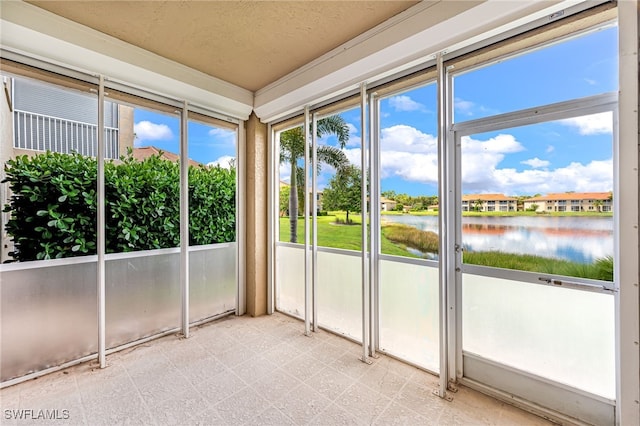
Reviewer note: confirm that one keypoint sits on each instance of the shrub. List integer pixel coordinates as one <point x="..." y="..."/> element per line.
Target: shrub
<point x="53" y="205"/>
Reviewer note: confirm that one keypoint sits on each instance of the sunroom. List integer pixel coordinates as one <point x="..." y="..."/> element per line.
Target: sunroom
<point x="450" y="188"/>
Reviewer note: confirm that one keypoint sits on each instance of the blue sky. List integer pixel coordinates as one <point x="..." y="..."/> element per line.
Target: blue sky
<point x="207" y="144"/>
<point x="570" y="155"/>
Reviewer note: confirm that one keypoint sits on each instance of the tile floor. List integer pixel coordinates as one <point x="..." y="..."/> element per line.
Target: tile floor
<point x="249" y="371"/>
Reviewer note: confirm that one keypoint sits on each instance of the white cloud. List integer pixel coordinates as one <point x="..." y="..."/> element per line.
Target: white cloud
<point x="550" y="148"/>
<point x="536" y="163"/>
<point x="225" y="162"/>
<point x="405" y="103"/>
<point x="226" y="136"/>
<point x="481" y="171"/>
<point x="406" y="139"/>
<point x="594" y="176"/>
<point x="590" y="81"/>
<point x="412" y="155"/>
<point x="354" y="139"/>
<point x="595" y="124"/>
<point x="148" y="131"/>
<point x="464" y="107"/>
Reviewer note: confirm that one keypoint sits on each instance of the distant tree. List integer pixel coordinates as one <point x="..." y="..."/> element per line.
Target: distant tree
<point x="391" y="195"/>
<point x="284" y="200"/>
<point x="344" y="191"/>
<point x="292" y="148"/>
<point x="598" y="204"/>
<point x="533" y="208"/>
<point x="477" y="205"/>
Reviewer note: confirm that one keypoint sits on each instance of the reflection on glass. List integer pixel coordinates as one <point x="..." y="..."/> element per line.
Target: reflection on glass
<point x="142" y="188"/>
<point x="47" y="146"/>
<point x="539" y="198"/>
<point x="527" y="80"/>
<point x="212" y="184"/>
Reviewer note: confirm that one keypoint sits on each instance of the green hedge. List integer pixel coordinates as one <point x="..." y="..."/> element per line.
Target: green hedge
<point x="53" y="205"/>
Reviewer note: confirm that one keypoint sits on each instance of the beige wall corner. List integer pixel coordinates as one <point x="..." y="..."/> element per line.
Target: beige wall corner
<point x="256" y="216"/>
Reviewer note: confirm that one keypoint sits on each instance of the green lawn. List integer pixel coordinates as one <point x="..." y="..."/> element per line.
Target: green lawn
<point x="333" y="235"/>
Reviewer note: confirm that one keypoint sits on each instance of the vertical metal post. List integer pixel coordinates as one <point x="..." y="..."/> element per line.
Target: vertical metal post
<point x="363" y="214"/>
<point x="101" y="231"/>
<point x="453" y="233"/>
<point x="374" y="225"/>
<point x="184" y="220"/>
<point x="443" y="216"/>
<point x="307" y="259"/>
<point x="241" y="304"/>
<point x="314" y="195"/>
<point x="626" y="201"/>
<point x="273" y="223"/>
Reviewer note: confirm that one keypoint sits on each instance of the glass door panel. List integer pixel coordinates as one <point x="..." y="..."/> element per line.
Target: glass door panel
<point x="212" y="218"/>
<point x="338" y="222"/>
<point x="290" y="237"/>
<point x="536" y="232"/>
<point x="408" y="281"/>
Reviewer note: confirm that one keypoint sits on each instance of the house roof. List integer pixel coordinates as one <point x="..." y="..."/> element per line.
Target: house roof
<point x="487" y="197"/>
<point x="559" y="196"/>
<point x="387" y="200"/>
<point x="145" y="152"/>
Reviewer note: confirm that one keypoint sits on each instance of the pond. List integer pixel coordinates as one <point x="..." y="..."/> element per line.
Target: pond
<point x="578" y="239"/>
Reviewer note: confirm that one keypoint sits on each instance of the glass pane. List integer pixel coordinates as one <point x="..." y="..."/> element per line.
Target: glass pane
<point x="290" y="280"/>
<point x="49" y="172"/>
<point x="212" y="184"/>
<point x="339" y="181"/>
<point x="142" y="188"/>
<point x="409" y="313"/>
<point x="578" y="67"/>
<point x="142" y="199"/>
<point x="212" y="219"/>
<point x="539" y="198"/>
<point x="557" y="333"/>
<point x="409" y="174"/>
<point x="291" y="174"/>
<point x="142" y="295"/>
<point x="212" y="280"/>
<point x="340" y="292"/>
<point x="49" y="315"/>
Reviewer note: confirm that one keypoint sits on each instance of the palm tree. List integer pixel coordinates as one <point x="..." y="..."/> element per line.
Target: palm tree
<point x="292" y="147"/>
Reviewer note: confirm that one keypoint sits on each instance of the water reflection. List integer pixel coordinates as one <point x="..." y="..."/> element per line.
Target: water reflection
<point x="578" y="239"/>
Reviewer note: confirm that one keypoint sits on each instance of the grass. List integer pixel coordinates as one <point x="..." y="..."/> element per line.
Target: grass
<point x="601" y="269"/>
<point x="396" y="238"/>
<point x="348" y="237"/>
<point x="405" y="235"/>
